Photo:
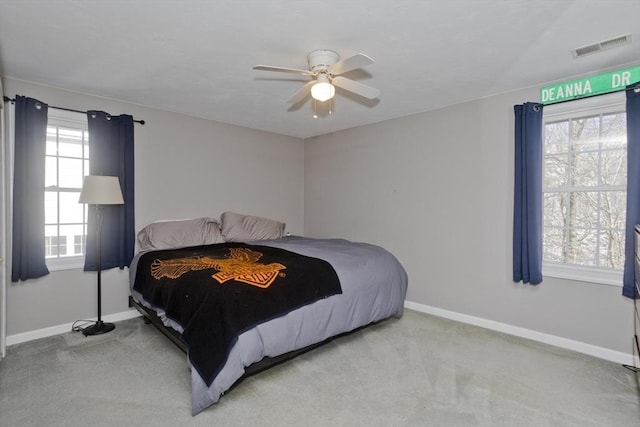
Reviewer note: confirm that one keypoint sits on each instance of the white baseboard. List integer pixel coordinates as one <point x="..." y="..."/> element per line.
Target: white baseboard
<point x="61" y="329"/>
<point x="580" y="347"/>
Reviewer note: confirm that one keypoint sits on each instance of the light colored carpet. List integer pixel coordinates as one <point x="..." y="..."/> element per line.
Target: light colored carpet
<point x="417" y="371"/>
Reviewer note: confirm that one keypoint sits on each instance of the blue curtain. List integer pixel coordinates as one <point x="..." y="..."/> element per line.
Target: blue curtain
<point x="527" y="209"/>
<point x="28" y="251"/>
<point x="633" y="187"/>
<point x="111" y="153"/>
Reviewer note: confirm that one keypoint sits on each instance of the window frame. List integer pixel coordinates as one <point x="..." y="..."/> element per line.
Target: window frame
<point x="64" y="118"/>
<point x="614" y="102"/>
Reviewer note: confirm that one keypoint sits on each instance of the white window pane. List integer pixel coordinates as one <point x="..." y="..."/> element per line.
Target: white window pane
<point x="70" y="150"/>
<point x="79" y="244"/>
<point x="51" y="241"/>
<point x="613" y="209"/>
<point x="581" y="246"/>
<point x="70" y="173"/>
<point x="585" y="133"/>
<point x="556" y="171"/>
<point x="614" y="130"/>
<point x="556" y="137"/>
<point x="70" y="234"/>
<point x="612" y="248"/>
<point x="70" y="210"/>
<point x="50" y="207"/>
<point x="50" y="171"/>
<point x="584" y="168"/>
<point x="555" y="207"/>
<point x="62" y="245"/>
<point x="584" y="209"/>
<point x="554" y="244"/>
<point x="70" y="142"/>
<point x="71" y="230"/>
<point x="614" y="167"/>
<point x="51" y="231"/>
<point x="52" y="142"/>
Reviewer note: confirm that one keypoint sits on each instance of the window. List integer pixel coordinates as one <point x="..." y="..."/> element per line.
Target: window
<point x="585" y="173"/>
<point x="67" y="162"/>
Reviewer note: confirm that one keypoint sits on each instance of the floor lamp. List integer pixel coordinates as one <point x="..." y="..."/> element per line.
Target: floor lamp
<point x="98" y="191"/>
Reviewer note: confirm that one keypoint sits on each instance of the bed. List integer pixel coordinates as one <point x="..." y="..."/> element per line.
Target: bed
<point x="370" y="285"/>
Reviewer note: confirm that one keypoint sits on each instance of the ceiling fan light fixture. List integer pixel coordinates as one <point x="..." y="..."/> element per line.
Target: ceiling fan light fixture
<point x="325" y="72"/>
<point x="323" y="91"/>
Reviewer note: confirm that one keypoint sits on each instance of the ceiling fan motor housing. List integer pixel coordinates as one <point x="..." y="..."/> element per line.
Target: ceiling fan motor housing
<point x="321" y="60"/>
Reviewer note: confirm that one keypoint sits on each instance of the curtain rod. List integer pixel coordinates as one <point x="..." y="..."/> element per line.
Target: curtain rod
<point x="7" y="99"/>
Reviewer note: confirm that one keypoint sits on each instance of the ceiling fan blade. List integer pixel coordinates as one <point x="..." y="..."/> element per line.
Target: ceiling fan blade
<point x="282" y="69"/>
<point x="356" y="61"/>
<point x="302" y="92"/>
<point x="356" y="87"/>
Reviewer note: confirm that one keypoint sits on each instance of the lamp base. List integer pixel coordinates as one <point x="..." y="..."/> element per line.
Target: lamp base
<point x="98" y="329"/>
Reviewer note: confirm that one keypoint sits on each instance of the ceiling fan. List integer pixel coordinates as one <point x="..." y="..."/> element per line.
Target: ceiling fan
<point x="325" y="70"/>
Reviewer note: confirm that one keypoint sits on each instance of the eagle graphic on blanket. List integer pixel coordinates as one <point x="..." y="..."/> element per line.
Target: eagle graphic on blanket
<point x="217" y="292"/>
<point x="240" y="265"/>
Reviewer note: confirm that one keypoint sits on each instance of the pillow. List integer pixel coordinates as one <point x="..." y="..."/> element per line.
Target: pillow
<point x="179" y="234"/>
<point x="242" y="228"/>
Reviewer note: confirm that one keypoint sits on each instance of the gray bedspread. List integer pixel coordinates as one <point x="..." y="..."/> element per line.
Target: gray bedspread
<point x="374" y="286"/>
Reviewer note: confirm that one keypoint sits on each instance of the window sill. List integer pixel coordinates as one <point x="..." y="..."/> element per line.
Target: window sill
<point x="67" y="263"/>
<point x="599" y="276"/>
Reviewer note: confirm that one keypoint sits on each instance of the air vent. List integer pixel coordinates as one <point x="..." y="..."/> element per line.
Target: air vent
<point x="600" y="46"/>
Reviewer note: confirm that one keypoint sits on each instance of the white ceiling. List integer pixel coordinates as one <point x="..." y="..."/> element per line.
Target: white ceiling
<point x="196" y="57"/>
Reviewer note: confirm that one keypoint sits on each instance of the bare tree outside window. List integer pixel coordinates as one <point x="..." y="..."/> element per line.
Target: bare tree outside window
<point x="585" y="159"/>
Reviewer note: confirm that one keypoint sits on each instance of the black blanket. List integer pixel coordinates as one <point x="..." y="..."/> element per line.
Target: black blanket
<point x="216" y="292"/>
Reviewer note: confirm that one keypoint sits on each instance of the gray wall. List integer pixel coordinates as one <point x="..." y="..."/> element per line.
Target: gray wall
<point x="436" y="189"/>
<point x="185" y="167"/>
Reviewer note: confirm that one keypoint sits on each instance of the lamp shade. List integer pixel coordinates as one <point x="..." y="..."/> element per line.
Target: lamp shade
<point x="101" y="190"/>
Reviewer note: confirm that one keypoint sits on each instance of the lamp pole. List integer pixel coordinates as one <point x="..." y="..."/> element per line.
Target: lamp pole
<point x="99" y="254"/>
<point x="100" y="327"/>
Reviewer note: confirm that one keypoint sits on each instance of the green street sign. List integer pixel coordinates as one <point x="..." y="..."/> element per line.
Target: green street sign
<point x="613" y="81"/>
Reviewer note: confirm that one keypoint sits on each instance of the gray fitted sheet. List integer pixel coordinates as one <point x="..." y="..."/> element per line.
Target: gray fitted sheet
<point x="374" y="286"/>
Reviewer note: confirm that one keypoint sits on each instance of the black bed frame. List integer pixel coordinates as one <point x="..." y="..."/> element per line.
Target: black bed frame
<point x="150" y="317"/>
